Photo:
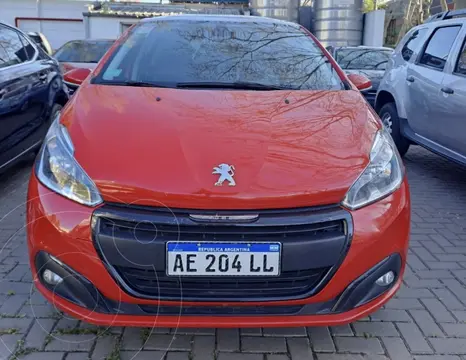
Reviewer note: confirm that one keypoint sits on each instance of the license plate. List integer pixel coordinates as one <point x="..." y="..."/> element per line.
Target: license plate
<point x="223" y="259"/>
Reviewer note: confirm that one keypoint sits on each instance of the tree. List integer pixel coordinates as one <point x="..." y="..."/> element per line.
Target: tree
<point x="415" y="13"/>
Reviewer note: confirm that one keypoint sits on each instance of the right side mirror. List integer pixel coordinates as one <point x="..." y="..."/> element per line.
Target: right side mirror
<point x="76" y="76"/>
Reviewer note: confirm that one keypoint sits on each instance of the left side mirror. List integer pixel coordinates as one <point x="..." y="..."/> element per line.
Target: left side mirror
<point x="76" y="76"/>
<point x="360" y="81"/>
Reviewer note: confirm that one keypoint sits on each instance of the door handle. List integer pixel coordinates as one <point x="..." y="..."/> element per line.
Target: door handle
<point x="410" y="78"/>
<point x="447" y="90"/>
<point x="2" y="93"/>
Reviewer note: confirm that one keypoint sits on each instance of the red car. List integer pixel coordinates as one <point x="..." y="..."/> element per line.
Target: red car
<point x="218" y="171"/>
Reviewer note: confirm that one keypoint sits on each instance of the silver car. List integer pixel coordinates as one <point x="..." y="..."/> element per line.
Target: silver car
<point x="422" y="96"/>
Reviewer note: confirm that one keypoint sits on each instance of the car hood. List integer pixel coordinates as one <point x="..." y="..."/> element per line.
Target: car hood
<point x="159" y="146"/>
<point x="375" y="76"/>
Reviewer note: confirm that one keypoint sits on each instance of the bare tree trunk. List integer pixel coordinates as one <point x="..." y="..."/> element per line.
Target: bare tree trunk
<point x="406" y="21"/>
<point x="426" y="4"/>
<point x="444" y="5"/>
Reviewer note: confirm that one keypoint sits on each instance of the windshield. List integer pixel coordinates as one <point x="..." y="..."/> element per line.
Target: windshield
<point x="83" y="51"/>
<point x="172" y="52"/>
<point x="367" y="59"/>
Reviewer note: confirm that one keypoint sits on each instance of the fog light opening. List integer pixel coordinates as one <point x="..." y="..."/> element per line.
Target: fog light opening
<point x="51" y="278"/>
<point x="386" y="279"/>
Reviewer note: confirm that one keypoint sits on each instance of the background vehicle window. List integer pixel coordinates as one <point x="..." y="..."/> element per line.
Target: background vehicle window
<point x="30" y="51"/>
<point x="13" y="51"/>
<point x="413" y="42"/>
<point x="173" y="52"/>
<point x="368" y="59"/>
<point x="461" y="64"/>
<point x="438" y="48"/>
<point x="83" y="51"/>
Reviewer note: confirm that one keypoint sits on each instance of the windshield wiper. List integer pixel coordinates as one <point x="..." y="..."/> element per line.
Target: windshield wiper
<point x="233" y="85"/>
<point x="134" y="83"/>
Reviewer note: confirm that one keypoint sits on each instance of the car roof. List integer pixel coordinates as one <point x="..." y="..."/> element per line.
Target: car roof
<point x="220" y="18"/>
<point x="90" y="40"/>
<point x="364" y="47"/>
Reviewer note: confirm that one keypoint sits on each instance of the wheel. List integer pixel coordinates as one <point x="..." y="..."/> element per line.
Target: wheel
<point x="389" y="116"/>
<point x="56" y="108"/>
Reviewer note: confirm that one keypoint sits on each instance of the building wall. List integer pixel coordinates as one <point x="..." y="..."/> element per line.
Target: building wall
<point x="37" y="15"/>
<point x="101" y="27"/>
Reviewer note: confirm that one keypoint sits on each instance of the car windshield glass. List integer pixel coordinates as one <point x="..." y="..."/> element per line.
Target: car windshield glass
<point x="195" y="53"/>
<point x="367" y="59"/>
<point x="83" y="51"/>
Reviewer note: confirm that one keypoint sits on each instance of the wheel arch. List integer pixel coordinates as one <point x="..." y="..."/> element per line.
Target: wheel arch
<point x="384" y="97"/>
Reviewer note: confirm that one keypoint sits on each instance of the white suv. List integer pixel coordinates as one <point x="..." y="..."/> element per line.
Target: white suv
<point x="422" y="96"/>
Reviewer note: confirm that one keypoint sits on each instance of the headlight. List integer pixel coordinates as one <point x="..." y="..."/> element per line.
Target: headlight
<point x="381" y="177"/>
<point x="58" y="170"/>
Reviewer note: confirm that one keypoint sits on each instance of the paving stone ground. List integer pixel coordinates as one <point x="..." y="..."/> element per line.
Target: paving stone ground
<point x="426" y="320"/>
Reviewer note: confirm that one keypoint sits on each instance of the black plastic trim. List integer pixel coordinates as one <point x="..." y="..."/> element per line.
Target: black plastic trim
<point x="80" y="291"/>
<point x="364" y="288"/>
<point x="321" y="253"/>
<point x="411" y="135"/>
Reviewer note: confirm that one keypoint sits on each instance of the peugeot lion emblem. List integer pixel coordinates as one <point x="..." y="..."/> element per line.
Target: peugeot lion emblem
<point x="226" y="172"/>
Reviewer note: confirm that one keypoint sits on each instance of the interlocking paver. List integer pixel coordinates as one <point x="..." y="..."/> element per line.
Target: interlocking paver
<point x="321" y="339"/>
<point x="104" y="347"/>
<point x="375" y="329"/>
<point x="228" y="339"/>
<point x="168" y="342"/>
<point x="396" y="348"/>
<point x="39" y="332"/>
<point x="203" y="348"/>
<point x="263" y="345"/>
<point x="426" y="323"/>
<point x="299" y="348"/>
<point x="414" y="338"/>
<point x="449" y="346"/>
<point x="426" y="320"/>
<point x="359" y="345"/>
<point x="82" y="342"/>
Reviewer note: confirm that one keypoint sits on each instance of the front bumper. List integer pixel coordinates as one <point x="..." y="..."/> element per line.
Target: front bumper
<point x="63" y="229"/>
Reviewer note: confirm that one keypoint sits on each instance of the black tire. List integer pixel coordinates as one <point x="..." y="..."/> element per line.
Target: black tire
<point x="389" y="116"/>
<point x="56" y="108"/>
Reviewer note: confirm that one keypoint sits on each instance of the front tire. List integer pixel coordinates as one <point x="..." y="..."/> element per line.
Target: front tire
<point x="389" y="116"/>
<point x="56" y="108"/>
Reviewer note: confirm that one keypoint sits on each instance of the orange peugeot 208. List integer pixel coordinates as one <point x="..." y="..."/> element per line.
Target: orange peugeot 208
<point x="218" y="171"/>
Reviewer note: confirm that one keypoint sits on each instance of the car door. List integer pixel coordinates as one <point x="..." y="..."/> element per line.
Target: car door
<point x="424" y="79"/>
<point x="23" y="95"/>
<point x="451" y="117"/>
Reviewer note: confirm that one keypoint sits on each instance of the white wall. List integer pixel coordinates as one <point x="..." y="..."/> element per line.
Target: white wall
<point x="373" y="28"/>
<point x="107" y="27"/>
<point x="57" y="32"/>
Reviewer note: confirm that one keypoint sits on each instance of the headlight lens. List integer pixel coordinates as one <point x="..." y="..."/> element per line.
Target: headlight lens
<point x="382" y="176"/>
<point x="57" y="168"/>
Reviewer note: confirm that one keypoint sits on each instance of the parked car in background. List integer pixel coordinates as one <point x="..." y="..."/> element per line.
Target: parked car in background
<point x="31" y="95"/>
<point x="81" y="54"/>
<point x="41" y="40"/>
<point x="222" y="161"/>
<point x="365" y="60"/>
<point x="422" y="97"/>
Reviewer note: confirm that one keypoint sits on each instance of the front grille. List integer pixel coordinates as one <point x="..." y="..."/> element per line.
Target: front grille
<point x="148" y="232"/>
<point x="131" y="241"/>
<point x="156" y="283"/>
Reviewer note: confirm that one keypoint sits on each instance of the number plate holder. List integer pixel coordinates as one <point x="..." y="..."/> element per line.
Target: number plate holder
<point x="260" y="250"/>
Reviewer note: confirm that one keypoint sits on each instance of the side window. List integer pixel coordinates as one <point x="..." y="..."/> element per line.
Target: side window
<point x="461" y="64"/>
<point x="413" y="42"/>
<point x="12" y="49"/>
<point x="438" y="48"/>
<point x="28" y="48"/>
